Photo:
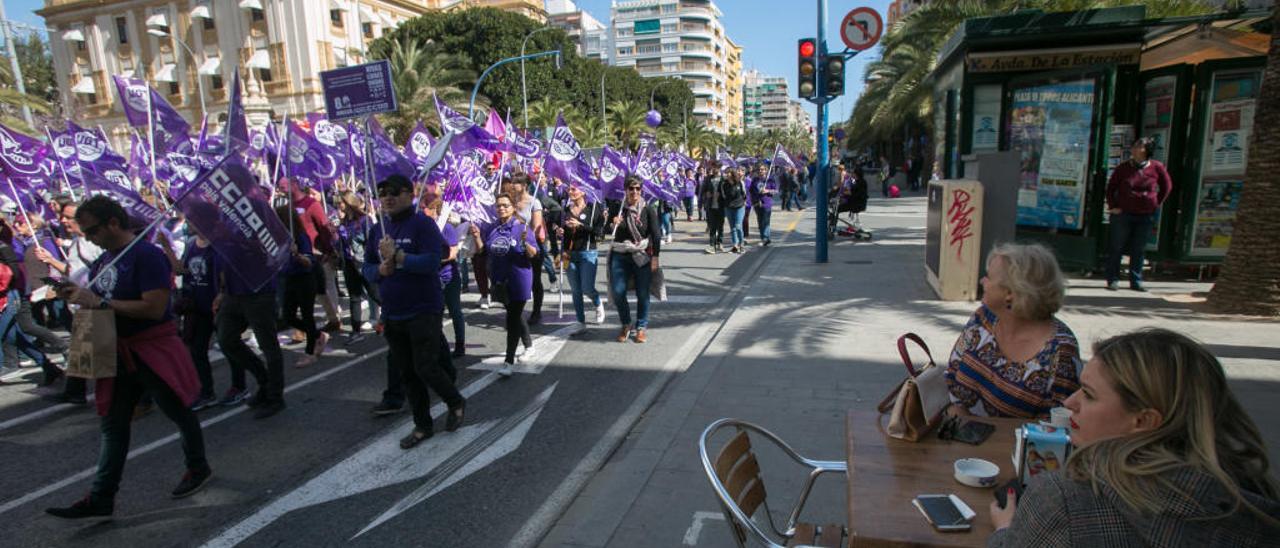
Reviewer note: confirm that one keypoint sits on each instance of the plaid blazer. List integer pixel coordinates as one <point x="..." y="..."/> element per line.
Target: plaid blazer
<point x="1059" y="512"/>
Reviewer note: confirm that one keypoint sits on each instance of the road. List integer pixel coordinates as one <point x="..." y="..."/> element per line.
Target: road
<point x="327" y="472"/>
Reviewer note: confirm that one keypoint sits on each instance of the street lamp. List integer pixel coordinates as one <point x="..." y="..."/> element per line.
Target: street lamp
<point x="476" y="89"/>
<point x="159" y="32"/>
<point x="524" y="90"/>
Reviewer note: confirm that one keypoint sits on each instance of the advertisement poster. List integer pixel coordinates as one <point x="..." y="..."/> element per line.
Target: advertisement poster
<point x="1157" y="113"/>
<point x="1225" y="154"/>
<point x="1051" y="125"/>
<point x="986" y="118"/>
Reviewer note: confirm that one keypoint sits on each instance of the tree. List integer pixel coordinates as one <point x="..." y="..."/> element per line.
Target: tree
<point x="543" y="112"/>
<point x="1250" y="278"/>
<point x="11" y="103"/>
<point x="590" y="131"/>
<point x="421" y="71"/>
<point x="626" y="121"/>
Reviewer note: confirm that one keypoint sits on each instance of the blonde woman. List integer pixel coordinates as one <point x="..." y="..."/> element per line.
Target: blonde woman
<point x="1165" y="456"/>
<point x="1014" y="357"/>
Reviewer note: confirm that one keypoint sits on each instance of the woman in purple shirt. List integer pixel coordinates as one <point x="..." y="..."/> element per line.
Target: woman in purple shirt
<point x="762" y="192"/>
<point x="511" y="245"/>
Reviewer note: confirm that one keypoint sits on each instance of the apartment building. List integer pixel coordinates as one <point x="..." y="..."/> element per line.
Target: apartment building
<point x="591" y="36"/>
<point x="764" y="101"/>
<point x="684" y="39"/>
<point x="189" y="49"/>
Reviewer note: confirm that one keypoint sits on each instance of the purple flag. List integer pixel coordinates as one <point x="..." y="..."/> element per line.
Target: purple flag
<point x="564" y="161"/>
<point x="230" y="209"/>
<point x="387" y="159"/>
<point x="333" y="143"/>
<point x="64" y="150"/>
<point x="525" y="145"/>
<point x="140" y="213"/>
<point x="419" y="144"/>
<point x="237" y="135"/>
<point x="726" y="160"/>
<point x="470" y="136"/>
<point x="139" y="160"/>
<point x="134" y="95"/>
<point x="303" y="159"/>
<point x="613" y="170"/>
<point x="22" y="156"/>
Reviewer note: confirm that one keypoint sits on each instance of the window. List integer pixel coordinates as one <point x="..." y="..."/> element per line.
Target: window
<point x="122" y="30"/>
<point x="173" y="88"/>
<point x="648" y="26"/>
<point x="80" y="45"/>
<point x="208" y="23"/>
<point x="366" y="29"/>
<point x="91" y="98"/>
<point x="625" y="51"/>
<point x="264" y="75"/>
<point x="255" y="14"/>
<point x="216" y="81"/>
<point x="335" y="18"/>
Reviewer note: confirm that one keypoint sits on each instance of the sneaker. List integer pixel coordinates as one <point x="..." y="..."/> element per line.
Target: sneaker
<point x="204" y="402"/>
<point x="387" y="408"/>
<point x="192" y="482"/>
<point x="578" y="329"/>
<point x="268" y="409"/>
<point x="87" y="507"/>
<point x="233" y="396"/>
<point x="1113" y="286"/>
<point x="506" y="370"/>
<point x="710" y="250"/>
<point x="5" y="371"/>
<point x="484" y="303"/>
<point x="600" y="313"/>
<point x="1137" y="286"/>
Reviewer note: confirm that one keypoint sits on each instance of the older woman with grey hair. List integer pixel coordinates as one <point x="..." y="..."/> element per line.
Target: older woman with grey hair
<point x="1014" y="357"/>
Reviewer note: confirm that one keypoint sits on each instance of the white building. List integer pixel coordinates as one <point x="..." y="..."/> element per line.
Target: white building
<point x="684" y="39"/>
<point x="591" y="36"/>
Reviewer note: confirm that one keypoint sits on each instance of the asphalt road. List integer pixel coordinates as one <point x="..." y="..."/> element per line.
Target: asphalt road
<point x="327" y="472"/>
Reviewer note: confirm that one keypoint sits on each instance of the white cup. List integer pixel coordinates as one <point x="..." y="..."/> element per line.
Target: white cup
<point x="1060" y="417"/>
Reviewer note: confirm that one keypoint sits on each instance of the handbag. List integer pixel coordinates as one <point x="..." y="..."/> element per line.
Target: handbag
<point x="916" y="406"/>
<point x="92" y="354"/>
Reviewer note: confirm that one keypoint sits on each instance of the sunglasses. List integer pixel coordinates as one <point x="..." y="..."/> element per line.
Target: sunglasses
<point x="633" y="189"/>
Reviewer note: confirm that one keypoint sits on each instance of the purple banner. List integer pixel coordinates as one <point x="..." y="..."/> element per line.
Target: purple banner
<point x="564" y="161"/>
<point x="230" y="209"/>
<point x="140" y="213"/>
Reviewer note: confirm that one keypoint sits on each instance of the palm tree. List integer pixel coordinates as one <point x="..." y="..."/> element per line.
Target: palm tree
<point x="543" y="112"/>
<point x="1251" y="271"/>
<point x="422" y="70"/>
<point x="590" y="131"/>
<point x="626" y="120"/>
<point x="11" y="103"/>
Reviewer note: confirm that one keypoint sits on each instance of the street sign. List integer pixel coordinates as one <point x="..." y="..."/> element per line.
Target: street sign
<point x="861" y="28"/>
<point x="358" y="90"/>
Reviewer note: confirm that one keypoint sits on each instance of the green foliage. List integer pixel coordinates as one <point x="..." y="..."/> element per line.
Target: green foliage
<point x="37" y="76"/>
<point x="626" y="121"/>
<point x="421" y="71"/>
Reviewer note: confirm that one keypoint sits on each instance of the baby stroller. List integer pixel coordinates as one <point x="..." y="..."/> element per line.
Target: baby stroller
<point x="851" y="199"/>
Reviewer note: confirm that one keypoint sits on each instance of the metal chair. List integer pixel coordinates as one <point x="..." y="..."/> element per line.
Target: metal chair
<point x="735" y="478"/>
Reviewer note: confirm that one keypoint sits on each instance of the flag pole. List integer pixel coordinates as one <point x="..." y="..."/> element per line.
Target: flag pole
<point x="61" y="168"/>
<point x="34" y="236"/>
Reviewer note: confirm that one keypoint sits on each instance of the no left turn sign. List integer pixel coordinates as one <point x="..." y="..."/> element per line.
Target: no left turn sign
<point x="861" y="28"/>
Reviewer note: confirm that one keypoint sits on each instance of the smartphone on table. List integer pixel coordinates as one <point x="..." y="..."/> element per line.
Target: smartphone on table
<point x="946" y="513"/>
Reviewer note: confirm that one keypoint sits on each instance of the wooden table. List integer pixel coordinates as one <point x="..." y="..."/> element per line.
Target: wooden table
<point x="885" y="474"/>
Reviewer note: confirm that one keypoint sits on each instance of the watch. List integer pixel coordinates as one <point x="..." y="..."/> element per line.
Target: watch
<point x="104" y="304"/>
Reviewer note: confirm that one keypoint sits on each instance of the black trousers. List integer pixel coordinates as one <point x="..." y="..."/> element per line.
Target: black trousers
<point x="257" y="311"/>
<point x="416" y="349"/>
<point x="116" y="427"/>
<point x="517" y="329"/>
<point x="197" y="331"/>
<point x="538" y="290"/>
<point x="300" y="306"/>
<point x="715" y="225"/>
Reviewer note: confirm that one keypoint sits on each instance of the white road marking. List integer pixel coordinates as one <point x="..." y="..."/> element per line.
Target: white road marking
<point x="536" y="359"/>
<point x="89" y="472"/>
<point x="695" y="528"/>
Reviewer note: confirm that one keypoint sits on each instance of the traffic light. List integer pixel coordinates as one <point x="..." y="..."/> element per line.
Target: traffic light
<point x="807" y="66"/>
<point x="833" y="75"/>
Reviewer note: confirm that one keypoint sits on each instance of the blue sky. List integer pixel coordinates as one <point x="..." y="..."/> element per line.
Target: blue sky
<point x="766" y="29"/>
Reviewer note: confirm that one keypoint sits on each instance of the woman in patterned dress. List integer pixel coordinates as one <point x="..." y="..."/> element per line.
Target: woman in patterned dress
<point x="1014" y="358"/>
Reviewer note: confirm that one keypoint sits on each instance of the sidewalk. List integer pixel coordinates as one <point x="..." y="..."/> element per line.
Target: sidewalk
<point x="808" y="342"/>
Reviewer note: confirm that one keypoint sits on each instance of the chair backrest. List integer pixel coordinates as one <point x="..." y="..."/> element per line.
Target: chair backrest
<point x="739" y="472"/>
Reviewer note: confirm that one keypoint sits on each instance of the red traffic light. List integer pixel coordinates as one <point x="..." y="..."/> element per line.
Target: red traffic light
<point x="806" y="48"/>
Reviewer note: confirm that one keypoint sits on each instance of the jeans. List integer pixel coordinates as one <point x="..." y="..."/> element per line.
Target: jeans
<point x="197" y="332"/>
<point x="517" y="329"/>
<point x="582" y="280"/>
<point x="1129" y="234"/>
<point x="453" y="303"/>
<point x="688" y="206"/>
<point x="127" y="389"/>
<point x="622" y="268"/>
<point x="715" y="226"/>
<point x="667" y="225"/>
<point x="735" y="215"/>
<point x="415" y="349"/>
<point x="300" y="306"/>
<point x="257" y="312"/>
<point x="15" y="338"/>
<point x="763" y="215"/>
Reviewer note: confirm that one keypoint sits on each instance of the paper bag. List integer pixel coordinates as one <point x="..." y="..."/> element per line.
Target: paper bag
<point x="92" y="354"/>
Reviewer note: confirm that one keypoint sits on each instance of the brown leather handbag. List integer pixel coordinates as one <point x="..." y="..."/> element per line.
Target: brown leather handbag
<point x="916" y="406"/>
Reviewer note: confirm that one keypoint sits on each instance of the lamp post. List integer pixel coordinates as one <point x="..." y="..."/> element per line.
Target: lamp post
<point x="472" y="106"/>
<point x="604" y="119"/>
<point x="524" y="89"/>
<point x="161" y="33"/>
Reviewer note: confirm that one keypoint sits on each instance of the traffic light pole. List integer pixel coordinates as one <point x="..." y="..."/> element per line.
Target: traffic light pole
<point x="823" y="186"/>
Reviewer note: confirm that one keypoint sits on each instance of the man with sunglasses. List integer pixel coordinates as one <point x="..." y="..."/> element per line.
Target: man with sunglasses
<point x="406" y="266"/>
<point x="133" y="279"/>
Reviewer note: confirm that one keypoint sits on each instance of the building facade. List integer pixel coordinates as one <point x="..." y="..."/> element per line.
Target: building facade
<point x="767" y="105"/>
<point x="188" y="50"/>
<point x="683" y="39"/>
<point x="798" y="116"/>
<point x="591" y="36"/>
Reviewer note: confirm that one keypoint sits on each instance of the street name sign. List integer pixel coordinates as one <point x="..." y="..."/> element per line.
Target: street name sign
<point x="861" y="28"/>
<point x="359" y="90"/>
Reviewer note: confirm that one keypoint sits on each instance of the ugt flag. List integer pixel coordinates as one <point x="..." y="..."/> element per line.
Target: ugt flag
<point x="140" y="212"/>
<point x="229" y="208"/>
